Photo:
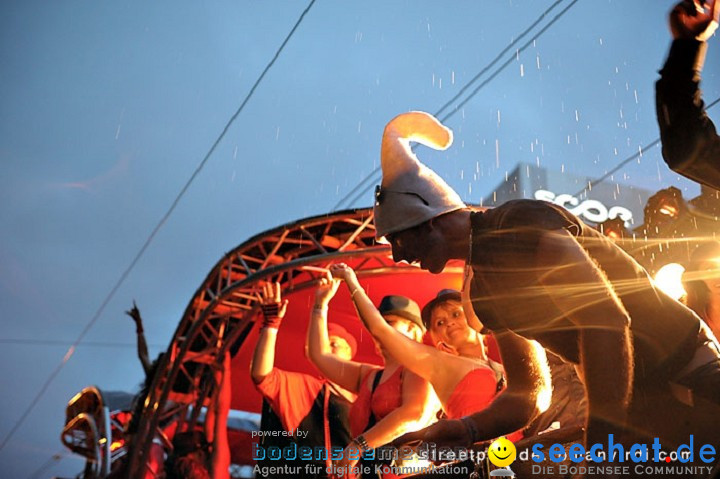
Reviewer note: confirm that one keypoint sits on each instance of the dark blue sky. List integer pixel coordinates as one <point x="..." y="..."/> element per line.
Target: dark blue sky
<point x="108" y="107"/>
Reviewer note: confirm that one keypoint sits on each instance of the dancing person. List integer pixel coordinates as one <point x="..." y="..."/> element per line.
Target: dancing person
<point x="568" y="404"/>
<point x="690" y="144"/>
<point x="391" y="400"/>
<point x="458" y="368"/>
<point x="536" y="272"/>
<point x="317" y="407"/>
<point x="142" y="348"/>
<point x="206" y="454"/>
<point x="169" y="426"/>
<point x="445" y="317"/>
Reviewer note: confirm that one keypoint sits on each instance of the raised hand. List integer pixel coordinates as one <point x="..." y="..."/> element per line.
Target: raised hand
<point x="134" y="313"/>
<point x="271" y="295"/>
<point x="326" y="290"/>
<point x="342" y="272"/>
<point x="694" y="19"/>
<point x="272" y="305"/>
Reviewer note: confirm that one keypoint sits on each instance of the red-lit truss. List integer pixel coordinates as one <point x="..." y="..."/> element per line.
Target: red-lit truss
<point x="221" y="313"/>
<point x="222" y="310"/>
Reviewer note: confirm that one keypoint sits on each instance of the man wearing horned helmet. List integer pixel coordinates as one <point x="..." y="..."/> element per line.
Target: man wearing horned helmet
<point x="537" y="273"/>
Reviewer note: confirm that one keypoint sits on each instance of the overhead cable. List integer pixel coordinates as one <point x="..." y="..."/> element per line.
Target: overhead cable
<point x="152" y="235"/>
<point x="373" y="175"/>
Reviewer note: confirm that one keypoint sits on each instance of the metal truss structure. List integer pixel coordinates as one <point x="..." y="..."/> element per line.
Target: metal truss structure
<point x="222" y="312"/>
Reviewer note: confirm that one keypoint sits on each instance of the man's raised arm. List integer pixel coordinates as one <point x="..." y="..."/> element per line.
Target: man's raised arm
<point x="690" y="144"/>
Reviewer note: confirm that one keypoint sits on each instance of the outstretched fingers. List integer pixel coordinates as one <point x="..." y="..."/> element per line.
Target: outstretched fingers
<point x="134" y="313"/>
<point x="271" y="293"/>
<point x="283" y="308"/>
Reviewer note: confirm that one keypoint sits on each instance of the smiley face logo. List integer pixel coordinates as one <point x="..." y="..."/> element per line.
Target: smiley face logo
<point x="502" y="452"/>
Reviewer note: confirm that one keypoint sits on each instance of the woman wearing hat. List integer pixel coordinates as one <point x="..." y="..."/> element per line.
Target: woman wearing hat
<point x="458" y="368"/>
<point x="390" y="400"/>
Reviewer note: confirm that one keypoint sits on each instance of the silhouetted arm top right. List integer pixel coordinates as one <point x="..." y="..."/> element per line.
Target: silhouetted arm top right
<point x="689" y="137"/>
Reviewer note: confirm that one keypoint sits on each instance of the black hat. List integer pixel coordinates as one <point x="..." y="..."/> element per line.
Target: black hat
<point x="403" y="307"/>
<point x="442" y="296"/>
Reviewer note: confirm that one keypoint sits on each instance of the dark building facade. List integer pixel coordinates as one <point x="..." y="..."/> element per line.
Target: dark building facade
<point x="607" y="200"/>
